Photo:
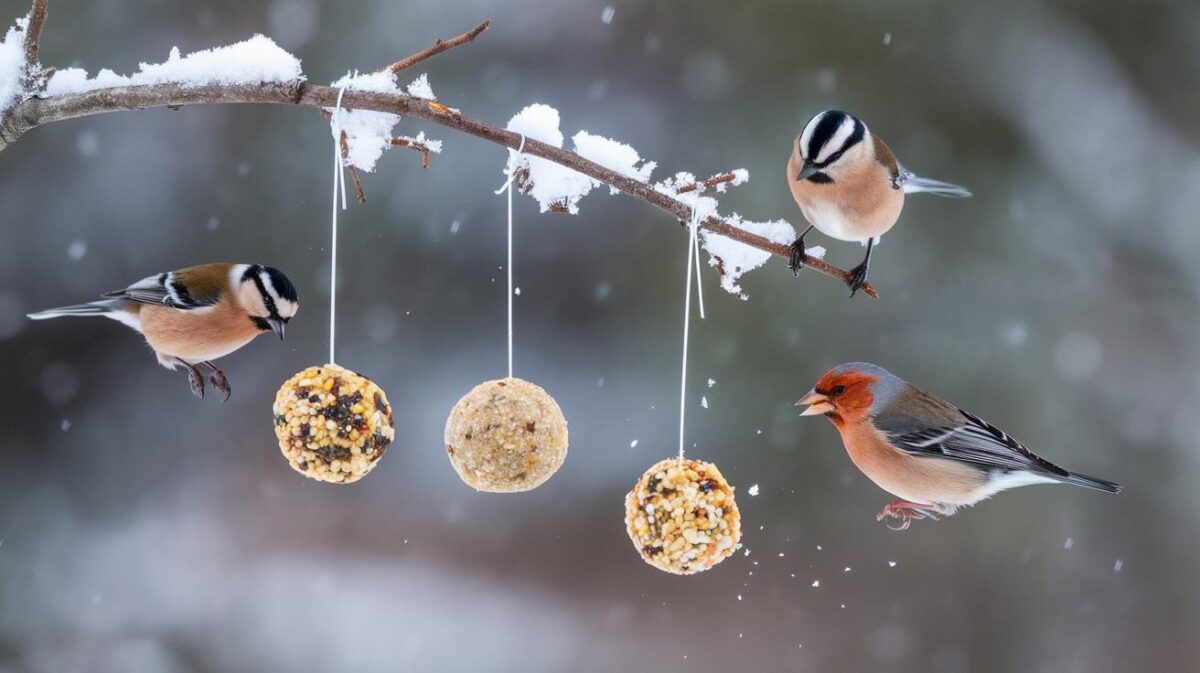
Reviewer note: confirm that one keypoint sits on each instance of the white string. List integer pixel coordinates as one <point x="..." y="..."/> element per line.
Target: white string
<point x="339" y="184"/>
<point x="687" y="319"/>
<point x="507" y="187"/>
<point x="695" y="235"/>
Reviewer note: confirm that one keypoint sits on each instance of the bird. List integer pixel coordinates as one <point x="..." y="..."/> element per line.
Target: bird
<point x="195" y="315"/>
<point x="933" y="455"/>
<point x="850" y="186"/>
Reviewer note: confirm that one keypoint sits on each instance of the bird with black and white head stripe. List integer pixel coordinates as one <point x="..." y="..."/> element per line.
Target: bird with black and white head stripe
<point x="850" y="186"/>
<point x="193" y="316"/>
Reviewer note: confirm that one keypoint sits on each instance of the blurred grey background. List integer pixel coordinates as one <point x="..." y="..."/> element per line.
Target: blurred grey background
<point x="145" y="530"/>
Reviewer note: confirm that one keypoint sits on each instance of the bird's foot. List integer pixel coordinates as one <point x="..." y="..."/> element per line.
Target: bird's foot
<point x="904" y="513"/>
<point x="798" y="256"/>
<point x="195" y="380"/>
<point x="858" y="278"/>
<point x="217" y="378"/>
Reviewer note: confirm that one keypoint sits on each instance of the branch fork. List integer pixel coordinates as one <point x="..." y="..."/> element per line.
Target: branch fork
<point x="35" y="111"/>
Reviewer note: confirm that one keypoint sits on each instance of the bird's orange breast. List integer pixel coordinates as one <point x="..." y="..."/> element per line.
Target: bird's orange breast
<point x="853" y="207"/>
<point x="201" y="334"/>
<point x="919" y="480"/>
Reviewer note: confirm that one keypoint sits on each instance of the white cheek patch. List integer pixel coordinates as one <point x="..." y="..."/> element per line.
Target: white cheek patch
<point x="286" y="308"/>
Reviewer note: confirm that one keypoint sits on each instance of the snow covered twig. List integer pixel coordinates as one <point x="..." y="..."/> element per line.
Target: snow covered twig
<point x="33" y="110"/>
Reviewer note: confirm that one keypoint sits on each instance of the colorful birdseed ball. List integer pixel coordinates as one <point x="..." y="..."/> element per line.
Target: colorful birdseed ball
<point x="332" y="424"/>
<point x="506" y="436"/>
<point x="682" y="518"/>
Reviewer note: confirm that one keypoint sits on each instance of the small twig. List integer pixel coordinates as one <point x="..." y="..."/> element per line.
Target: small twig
<point x="33" y="112"/>
<point x="416" y="147"/>
<point x="437" y="48"/>
<point x="362" y="196"/>
<point x="709" y="183"/>
<point x="33" y="40"/>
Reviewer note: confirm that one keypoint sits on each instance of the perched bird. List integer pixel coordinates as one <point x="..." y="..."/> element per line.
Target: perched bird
<point x="850" y="186"/>
<point x="916" y="446"/>
<point x="193" y="316"/>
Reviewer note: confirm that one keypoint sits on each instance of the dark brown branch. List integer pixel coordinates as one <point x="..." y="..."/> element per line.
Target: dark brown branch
<point x="438" y="47"/>
<point x="33" y="40"/>
<point x="708" y="184"/>
<point x="358" y="188"/>
<point x="416" y="147"/>
<point x="35" y="112"/>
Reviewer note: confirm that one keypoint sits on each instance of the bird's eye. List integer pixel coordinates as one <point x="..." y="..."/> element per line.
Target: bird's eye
<point x="838" y="391"/>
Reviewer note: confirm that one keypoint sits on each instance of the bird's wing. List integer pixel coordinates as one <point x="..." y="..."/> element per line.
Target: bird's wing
<point x="972" y="440"/>
<point x="166" y="289"/>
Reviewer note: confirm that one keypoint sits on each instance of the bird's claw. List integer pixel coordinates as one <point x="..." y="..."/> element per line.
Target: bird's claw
<point x="905" y="513"/>
<point x="798" y="256"/>
<point x="196" y="382"/>
<point x="217" y="378"/>
<point x="858" y="278"/>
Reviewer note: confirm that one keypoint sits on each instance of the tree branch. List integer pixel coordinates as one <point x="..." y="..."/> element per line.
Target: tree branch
<point x="438" y="47"/>
<point x="33" y="40"/>
<point x="34" y="112"/>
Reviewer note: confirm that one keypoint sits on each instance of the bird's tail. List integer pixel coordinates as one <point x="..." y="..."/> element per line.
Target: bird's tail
<point x="916" y="184"/>
<point x="103" y="307"/>
<point x="1091" y="482"/>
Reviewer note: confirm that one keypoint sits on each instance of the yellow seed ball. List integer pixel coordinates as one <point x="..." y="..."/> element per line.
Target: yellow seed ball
<point x="506" y="436"/>
<point x="332" y="424"/>
<point x="682" y="517"/>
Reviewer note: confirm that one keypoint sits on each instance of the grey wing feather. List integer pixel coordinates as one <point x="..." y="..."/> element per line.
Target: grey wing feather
<point x="163" y="290"/>
<point x="973" y="440"/>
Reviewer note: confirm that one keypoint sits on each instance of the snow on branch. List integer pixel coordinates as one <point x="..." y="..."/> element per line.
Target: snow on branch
<point x="258" y="71"/>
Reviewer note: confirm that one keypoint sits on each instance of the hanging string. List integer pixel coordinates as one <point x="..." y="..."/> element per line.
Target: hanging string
<point x="687" y="319"/>
<point x="507" y="187"/>
<point x="695" y="236"/>
<point x="339" y="184"/>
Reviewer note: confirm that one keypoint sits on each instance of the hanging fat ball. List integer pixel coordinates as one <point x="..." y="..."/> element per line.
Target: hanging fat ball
<point x="506" y="436"/>
<point x="682" y="518"/>
<point x="333" y="424"/>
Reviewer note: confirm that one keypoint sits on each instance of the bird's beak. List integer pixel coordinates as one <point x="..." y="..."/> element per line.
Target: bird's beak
<point x="806" y="171"/>
<point x="277" y="326"/>
<point x="817" y="404"/>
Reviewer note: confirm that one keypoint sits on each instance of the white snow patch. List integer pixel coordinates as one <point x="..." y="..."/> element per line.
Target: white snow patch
<point x="12" y="64"/>
<point x="712" y="382"/>
<point x="553" y="185"/>
<point x="614" y="155"/>
<point x="254" y="61"/>
<point x="735" y="259"/>
<point x="633" y="444"/>
<point x="368" y="133"/>
<point x="419" y="88"/>
<point x="752" y="491"/>
<point x="704" y="401"/>
<point x="607" y="15"/>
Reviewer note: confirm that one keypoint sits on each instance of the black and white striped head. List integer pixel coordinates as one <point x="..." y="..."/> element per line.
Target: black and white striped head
<point x="266" y="295"/>
<point x="829" y="143"/>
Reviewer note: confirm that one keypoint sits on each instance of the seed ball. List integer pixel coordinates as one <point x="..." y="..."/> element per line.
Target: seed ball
<point x="682" y="518"/>
<point x="506" y="436"/>
<point x="333" y="424"/>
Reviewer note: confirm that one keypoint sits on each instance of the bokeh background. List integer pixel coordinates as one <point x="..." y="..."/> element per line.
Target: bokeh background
<point x="145" y="530"/>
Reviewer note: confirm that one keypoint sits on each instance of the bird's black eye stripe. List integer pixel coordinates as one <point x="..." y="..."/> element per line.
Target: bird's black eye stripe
<point x="260" y="323"/>
<point x="266" y="297"/>
<point x="838" y="391"/>
<point x="824" y="131"/>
